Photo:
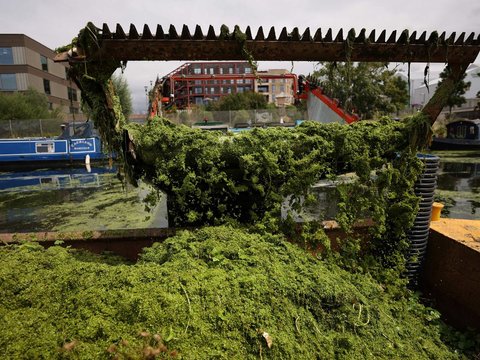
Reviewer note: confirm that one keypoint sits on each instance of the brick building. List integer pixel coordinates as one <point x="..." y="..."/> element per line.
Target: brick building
<point x="200" y="82"/>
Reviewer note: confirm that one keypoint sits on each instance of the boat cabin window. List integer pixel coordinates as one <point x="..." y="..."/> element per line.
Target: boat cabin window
<point x="44" y="148"/>
<point x="461" y="132"/>
<point x="80" y="130"/>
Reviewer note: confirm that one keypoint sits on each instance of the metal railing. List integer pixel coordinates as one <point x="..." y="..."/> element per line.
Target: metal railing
<point x="11" y="129"/>
<point x="237" y="118"/>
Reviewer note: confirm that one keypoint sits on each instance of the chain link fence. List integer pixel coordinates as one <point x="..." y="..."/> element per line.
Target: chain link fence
<point x="11" y="129"/>
<point x="238" y="118"/>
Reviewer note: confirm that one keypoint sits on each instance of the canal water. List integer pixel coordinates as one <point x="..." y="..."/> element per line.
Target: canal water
<point x="81" y="199"/>
<point x="458" y="185"/>
<point x="75" y="198"/>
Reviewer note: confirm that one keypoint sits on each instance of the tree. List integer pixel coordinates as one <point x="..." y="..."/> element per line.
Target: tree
<point x="366" y="88"/>
<point x="456" y="98"/>
<point x="123" y="91"/>
<point x="240" y="101"/>
<point x="30" y="104"/>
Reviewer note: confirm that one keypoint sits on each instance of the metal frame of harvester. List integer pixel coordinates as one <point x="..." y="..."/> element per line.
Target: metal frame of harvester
<point x="118" y="47"/>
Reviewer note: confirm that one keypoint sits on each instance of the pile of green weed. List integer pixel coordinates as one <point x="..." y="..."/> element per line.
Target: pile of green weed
<point x="210" y="177"/>
<point x="215" y="293"/>
<point x="213" y="178"/>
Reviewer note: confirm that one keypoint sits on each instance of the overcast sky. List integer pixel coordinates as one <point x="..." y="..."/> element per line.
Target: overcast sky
<point x="55" y="23"/>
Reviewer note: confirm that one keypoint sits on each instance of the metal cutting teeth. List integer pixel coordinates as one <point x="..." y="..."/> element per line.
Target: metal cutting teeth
<point x="284" y="45"/>
<point x="294" y="35"/>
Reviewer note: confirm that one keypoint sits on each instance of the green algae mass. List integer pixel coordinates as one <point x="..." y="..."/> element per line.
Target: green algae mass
<point x="215" y="293"/>
<point x="108" y="206"/>
<point x="210" y="177"/>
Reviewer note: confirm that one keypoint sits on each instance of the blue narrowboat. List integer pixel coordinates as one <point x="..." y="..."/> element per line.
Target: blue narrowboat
<point x="74" y="144"/>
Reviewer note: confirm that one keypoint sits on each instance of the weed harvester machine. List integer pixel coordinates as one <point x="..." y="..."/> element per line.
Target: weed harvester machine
<point x="98" y="52"/>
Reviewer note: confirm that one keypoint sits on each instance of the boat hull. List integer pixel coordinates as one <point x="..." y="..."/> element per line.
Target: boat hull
<point x="455" y="144"/>
<point x="45" y="150"/>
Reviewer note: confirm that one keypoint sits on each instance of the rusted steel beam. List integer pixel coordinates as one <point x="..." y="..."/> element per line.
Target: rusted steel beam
<point x="117" y="47"/>
<point x="178" y="49"/>
<point x="288" y="46"/>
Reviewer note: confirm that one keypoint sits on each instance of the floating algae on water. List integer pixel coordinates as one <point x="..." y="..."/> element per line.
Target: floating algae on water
<point x="219" y="292"/>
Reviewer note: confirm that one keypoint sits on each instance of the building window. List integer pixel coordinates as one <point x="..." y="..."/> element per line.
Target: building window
<point x="198" y="90"/>
<point x="50" y="106"/>
<point x="44" y="62"/>
<point x="240" y="89"/>
<point x="46" y="86"/>
<point x="239" y="81"/>
<point x="230" y="70"/>
<point x="8" y="82"/>
<point x="262" y="89"/>
<point x="248" y="70"/>
<point x="221" y="70"/>
<point x="6" y="56"/>
<point x="72" y="94"/>
<point x="211" y="71"/>
<point x="73" y="110"/>
<point x="273" y="88"/>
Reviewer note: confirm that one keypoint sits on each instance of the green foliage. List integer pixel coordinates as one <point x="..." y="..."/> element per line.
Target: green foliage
<point x="456" y="98"/>
<point x="212" y="178"/>
<point x="240" y="101"/>
<point x="122" y="90"/>
<point x="215" y="293"/>
<point x="98" y="91"/>
<point x="367" y="88"/>
<point x="26" y="105"/>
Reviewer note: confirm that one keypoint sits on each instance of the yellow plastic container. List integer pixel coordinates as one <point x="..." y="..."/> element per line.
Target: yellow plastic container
<point x="436" y="210"/>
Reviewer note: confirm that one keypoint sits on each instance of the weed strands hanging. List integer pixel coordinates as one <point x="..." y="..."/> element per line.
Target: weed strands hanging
<point x="219" y="292"/>
<point x="213" y="178"/>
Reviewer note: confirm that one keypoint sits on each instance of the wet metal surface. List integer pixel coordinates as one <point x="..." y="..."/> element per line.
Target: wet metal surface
<point x="279" y="45"/>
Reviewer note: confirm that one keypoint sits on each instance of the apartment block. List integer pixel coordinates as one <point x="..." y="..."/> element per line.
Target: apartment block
<point x="200" y="82"/>
<point x="25" y="63"/>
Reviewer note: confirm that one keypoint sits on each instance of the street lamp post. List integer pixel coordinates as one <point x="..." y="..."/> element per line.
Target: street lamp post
<point x="146" y="96"/>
